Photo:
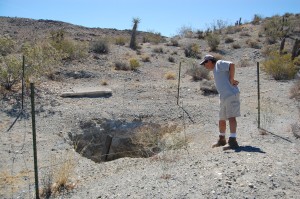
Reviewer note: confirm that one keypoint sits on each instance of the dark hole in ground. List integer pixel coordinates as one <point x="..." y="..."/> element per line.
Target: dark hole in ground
<point x="129" y="139"/>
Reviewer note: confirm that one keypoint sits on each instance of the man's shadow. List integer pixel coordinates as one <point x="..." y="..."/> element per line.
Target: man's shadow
<point x="249" y="149"/>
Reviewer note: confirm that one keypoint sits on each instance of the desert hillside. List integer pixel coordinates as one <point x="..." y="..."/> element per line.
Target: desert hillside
<point x="150" y="135"/>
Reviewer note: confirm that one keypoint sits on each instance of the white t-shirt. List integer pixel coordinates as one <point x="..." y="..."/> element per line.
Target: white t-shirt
<point x="221" y="75"/>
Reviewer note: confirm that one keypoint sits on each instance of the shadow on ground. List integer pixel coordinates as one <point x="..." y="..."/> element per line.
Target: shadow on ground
<point x="249" y="149"/>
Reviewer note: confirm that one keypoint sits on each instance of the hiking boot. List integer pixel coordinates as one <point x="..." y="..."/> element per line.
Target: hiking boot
<point x="232" y="144"/>
<point x="221" y="142"/>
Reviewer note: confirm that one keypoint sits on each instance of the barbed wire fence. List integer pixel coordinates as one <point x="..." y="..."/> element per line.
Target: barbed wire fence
<point x="19" y="181"/>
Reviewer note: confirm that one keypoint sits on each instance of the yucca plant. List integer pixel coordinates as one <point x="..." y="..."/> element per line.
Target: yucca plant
<point x="133" y="45"/>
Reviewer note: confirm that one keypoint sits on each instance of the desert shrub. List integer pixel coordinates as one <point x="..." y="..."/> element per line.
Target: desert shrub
<point x="236" y="46"/>
<point x="280" y="67"/>
<point x="252" y="44"/>
<point x="244" y="34"/>
<point x="10" y="71"/>
<point x="158" y="50"/>
<point x="100" y="47"/>
<point x="155" y="138"/>
<point x="174" y="42"/>
<point x="120" y="41"/>
<point x="154" y="38"/>
<point x="134" y="64"/>
<point x="192" y="50"/>
<point x="233" y="29"/>
<point x="186" y="31"/>
<point x="256" y="19"/>
<point x="145" y="58"/>
<point x="213" y="41"/>
<point x="40" y="59"/>
<point x="296" y="61"/>
<point x="171" y="59"/>
<point x="69" y="49"/>
<point x="271" y="40"/>
<point x="6" y="45"/>
<point x="244" y="62"/>
<point x="198" y="72"/>
<point x="276" y="27"/>
<point x="121" y="66"/>
<point x="170" y="75"/>
<point x="58" y="179"/>
<point x="229" y="40"/>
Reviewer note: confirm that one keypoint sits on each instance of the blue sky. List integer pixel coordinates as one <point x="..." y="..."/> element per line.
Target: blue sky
<point x="163" y="16"/>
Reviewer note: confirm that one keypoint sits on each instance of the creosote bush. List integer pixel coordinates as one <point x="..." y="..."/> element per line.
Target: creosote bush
<point x="198" y="72"/>
<point x="213" y="41"/>
<point x="280" y="67"/>
<point x="10" y="71"/>
<point x="6" y="45"/>
<point x="192" y="50"/>
<point x="100" y="47"/>
<point x="134" y="64"/>
<point x="121" y="66"/>
<point x="170" y="75"/>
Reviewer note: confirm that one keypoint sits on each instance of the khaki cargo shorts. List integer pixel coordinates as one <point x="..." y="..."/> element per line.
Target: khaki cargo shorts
<point x="230" y="107"/>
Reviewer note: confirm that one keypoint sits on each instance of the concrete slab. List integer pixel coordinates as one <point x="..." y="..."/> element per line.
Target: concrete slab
<point x="88" y="92"/>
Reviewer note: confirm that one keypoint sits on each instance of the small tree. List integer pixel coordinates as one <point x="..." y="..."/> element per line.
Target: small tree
<point x="133" y="33"/>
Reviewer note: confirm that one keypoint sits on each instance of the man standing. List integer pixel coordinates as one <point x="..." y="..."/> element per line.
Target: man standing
<point x="229" y="93"/>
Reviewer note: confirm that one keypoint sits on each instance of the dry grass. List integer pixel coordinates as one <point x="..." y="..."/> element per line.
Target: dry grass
<point x="154" y="138"/>
<point x="10" y="182"/>
<point x="59" y="178"/>
<point x="170" y="75"/>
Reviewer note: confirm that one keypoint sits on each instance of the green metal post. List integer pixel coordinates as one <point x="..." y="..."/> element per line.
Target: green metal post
<point x="258" y="96"/>
<point x="34" y="142"/>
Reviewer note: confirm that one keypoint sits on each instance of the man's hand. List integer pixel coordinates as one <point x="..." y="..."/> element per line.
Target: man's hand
<point x="234" y="82"/>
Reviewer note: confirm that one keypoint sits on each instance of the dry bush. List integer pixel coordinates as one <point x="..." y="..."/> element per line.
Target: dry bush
<point x="158" y="50"/>
<point x="121" y="41"/>
<point x="256" y="19"/>
<point x="10" y="182"/>
<point x="170" y="75"/>
<point x="236" y="46"/>
<point x="229" y="40"/>
<point x="244" y="34"/>
<point x="252" y="44"/>
<point x="280" y="67"/>
<point x="171" y="59"/>
<point x="145" y="58"/>
<point x="186" y="32"/>
<point x="192" y="50"/>
<point x="233" y="29"/>
<point x="213" y="41"/>
<point x="59" y="178"/>
<point x="174" y="42"/>
<point x="154" y="138"/>
<point x="134" y="64"/>
<point x="198" y="72"/>
<point x="154" y="38"/>
<point x="100" y="47"/>
<point x="7" y="45"/>
<point x="10" y="71"/>
<point x="244" y="62"/>
<point x="104" y="82"/>
<point x="121" y="66"/>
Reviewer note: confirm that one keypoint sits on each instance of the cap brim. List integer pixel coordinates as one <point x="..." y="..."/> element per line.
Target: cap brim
<point x="202" y="62"/>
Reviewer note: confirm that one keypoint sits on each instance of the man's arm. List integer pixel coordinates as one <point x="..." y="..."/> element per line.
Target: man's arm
<point x="231" y="75"/>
